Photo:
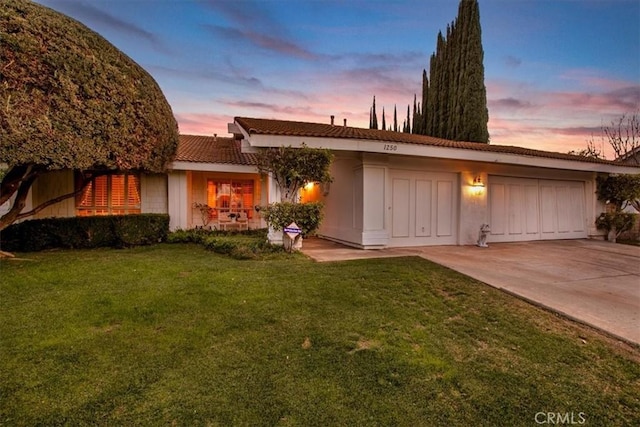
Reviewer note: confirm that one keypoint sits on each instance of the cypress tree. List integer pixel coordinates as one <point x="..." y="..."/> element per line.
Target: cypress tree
<point x="454" y="98"/>
<point x="425" y="96"/>
<point x="475" y="116"/>
<point x="395" y="119"/>
<point x="384" y="123"/>
<point x="408" y="128"/>
<point x="374" y="115"/>
<point x="415" y="114"/>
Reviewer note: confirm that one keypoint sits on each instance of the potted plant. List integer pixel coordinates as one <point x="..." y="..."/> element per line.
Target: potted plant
<point x="206" y="212"/>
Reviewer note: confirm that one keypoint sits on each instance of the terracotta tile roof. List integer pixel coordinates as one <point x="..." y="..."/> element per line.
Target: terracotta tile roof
<point x="209" y="149"/>
<point x="303" y="129"/>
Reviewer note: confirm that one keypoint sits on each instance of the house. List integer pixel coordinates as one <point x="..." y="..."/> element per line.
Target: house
<point x="389" y="188"/>
<point x="632" y="157"/>
<point x="398" y="189"/>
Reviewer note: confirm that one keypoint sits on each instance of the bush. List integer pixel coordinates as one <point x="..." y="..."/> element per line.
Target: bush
<point x="306" y="215"/>
<point x="85" y="232"/>
<point x="619" y="222"/>
<point x="249" y="244"/>
<point x="188" y="236"/>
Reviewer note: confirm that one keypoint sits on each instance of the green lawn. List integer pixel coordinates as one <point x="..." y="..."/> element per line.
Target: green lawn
<point x="177" y="335"/>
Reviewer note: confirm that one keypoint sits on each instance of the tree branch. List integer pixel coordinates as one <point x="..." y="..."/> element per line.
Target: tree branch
<point x="15" y="213"/>
<point x="13" y="179"/>
<point x="19" y="203"/>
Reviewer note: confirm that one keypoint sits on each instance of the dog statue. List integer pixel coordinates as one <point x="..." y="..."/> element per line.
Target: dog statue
<point x="482" y="235"/>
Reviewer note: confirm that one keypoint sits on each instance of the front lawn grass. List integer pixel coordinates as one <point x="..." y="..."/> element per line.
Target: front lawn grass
<point x="177" y="335"/>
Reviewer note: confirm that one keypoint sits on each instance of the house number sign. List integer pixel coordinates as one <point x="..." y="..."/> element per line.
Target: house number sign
<point x="390" y="147"/>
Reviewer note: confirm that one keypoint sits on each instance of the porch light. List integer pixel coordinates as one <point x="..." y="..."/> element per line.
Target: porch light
<point x="477" y="182"/>
<point x="308" y="186"/>
<point x="477" y="187"/>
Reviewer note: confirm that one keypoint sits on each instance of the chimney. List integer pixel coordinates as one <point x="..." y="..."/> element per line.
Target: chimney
<point x="345" y="122"/>
<point x="215" y="137"/>
<point x="332" y="119"/>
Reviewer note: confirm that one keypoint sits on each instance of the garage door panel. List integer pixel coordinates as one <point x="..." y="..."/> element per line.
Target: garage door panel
<point x="445" y="217"/>
<point x="563" y="201"/>
<point x="423" y="208"/>
<point x="401" y="208"/>
<point x="498" y="209"/>
<point x="577" y="199"/>
<point x="516" y="199"/>
<point x="548" y="209"/>
<point x="531" y="209"/>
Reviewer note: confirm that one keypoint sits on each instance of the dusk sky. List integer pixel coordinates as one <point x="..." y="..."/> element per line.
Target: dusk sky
<point x="555" y="70"/>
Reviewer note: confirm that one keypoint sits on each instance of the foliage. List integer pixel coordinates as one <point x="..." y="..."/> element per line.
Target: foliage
<point x="176" y="335"/>
<point x="249" y="244"/>
<point x="454" y="96"/>
<point x="292" y="168"/>
<point x="623" y="136"/>
<point x="619" y="191"/>
<point x="71" y="100"/>
<point x="205" y="212"/>
<point x="619" y="222"/>
<point x="85" y="232"/>
<point x="307" y="216"/>
<point x="373" y="116"/>
<point x="590" y="151"/>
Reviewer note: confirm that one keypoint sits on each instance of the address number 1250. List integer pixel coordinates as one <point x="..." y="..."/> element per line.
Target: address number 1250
<point x="390" y="147"/>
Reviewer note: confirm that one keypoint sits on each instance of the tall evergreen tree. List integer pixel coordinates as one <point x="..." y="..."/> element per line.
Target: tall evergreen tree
<point x="454" y="98"/>
<point x="408" y="126"/>
<point x="373" y="116"/>
<point x="415" y="114"/>
<point x="384" y="123"/>
<point x="475" y="115"/>
<point x="395" y="119"/>
<point x="425" y="96"/>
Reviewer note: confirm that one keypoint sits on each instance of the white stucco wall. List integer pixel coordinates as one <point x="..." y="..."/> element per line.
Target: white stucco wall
<point x="178" y="200"/>
<point x="54" y="184"/>
<point x="343" y="218"/>
<point x="153" y="189"/>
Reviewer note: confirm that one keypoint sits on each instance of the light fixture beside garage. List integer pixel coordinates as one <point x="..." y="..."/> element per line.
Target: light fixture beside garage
<point x="477" y="187"/>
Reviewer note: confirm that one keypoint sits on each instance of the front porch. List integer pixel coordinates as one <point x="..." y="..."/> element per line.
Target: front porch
<point x="216" y="200"/>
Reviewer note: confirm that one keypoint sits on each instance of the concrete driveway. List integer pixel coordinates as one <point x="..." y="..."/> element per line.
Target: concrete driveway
<point x="594" y="282"/>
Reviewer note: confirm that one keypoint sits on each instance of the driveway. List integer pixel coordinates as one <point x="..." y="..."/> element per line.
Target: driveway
<point x="594" y="282"/>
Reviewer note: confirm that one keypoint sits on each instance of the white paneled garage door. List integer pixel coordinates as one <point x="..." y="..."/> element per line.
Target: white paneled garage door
<point x="423" y="208"/>
<point x="535" y="209"/>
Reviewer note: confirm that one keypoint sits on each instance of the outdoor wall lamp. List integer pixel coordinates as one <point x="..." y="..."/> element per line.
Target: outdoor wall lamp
<point x="477" y="182"/>
<point x="477" y="187"/>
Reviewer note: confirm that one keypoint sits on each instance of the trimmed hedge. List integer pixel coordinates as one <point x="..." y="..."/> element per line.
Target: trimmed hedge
<point x="85" y="232"/>
<point x="250" y="244"/>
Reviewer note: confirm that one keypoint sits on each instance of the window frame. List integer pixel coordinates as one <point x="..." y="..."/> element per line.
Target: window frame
<point x="93" y="209"/>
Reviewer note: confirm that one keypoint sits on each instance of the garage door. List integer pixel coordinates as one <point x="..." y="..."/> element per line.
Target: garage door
<point x="536" y="209"/>
<point x="423" y="208"/>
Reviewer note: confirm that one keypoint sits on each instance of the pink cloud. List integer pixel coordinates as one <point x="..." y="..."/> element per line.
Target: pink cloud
<point x="203" y="124"/>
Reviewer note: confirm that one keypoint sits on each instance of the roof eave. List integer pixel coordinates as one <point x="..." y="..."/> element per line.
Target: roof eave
<point x="212" y="167"/>
<point x="419" y="150"/>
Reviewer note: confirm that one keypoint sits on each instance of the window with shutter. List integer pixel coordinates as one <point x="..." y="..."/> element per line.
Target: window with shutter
<point x="113" y="194"/>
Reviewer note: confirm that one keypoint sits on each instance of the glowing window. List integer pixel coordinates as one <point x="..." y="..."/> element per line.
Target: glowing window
<point x="113" y="194"/>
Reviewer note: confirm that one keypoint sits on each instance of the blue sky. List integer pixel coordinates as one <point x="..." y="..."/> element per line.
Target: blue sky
<point x="555" y="70"/>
